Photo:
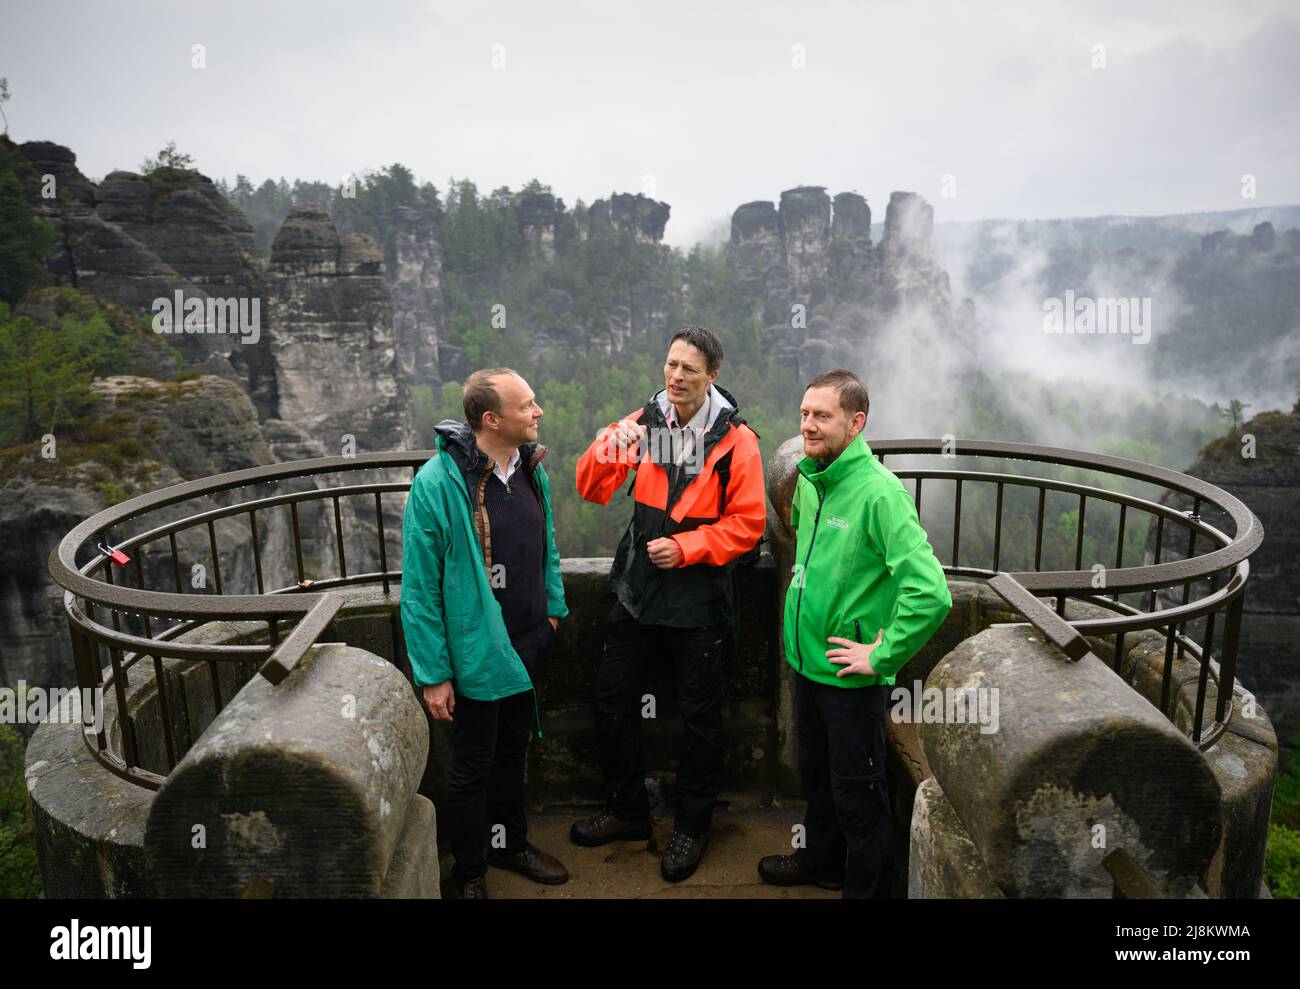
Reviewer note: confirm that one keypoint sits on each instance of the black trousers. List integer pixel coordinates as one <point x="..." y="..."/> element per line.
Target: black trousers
<point x="696" y="655"/>
<point x="848" y="827"/>
<point x="485" y="772"/>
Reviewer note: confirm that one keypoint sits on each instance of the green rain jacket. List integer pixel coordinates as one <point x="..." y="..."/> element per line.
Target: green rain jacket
<point x="450" y="618"/>
<point x="862" y="564"/>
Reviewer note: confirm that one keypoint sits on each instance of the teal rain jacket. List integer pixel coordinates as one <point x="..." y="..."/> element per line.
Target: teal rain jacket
<point x="450" y="618"/>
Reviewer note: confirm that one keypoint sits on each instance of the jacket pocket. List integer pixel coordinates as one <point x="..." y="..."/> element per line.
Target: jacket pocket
<point x="876" y="755"/>
<point x="862" y="633"/>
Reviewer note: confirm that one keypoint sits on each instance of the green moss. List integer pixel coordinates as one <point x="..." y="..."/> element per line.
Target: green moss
<point x="1224" y="446"/>
<point x="1282" y="856"/>
<point x="1286" y="790"/>
<point x="113" y="493"/>
<point x="103" y="443"/>
<point x="1282" y="862"/>
<point x="165" y="180"/>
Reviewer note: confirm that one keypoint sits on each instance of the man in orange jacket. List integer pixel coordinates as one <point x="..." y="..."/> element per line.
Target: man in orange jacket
<point x="699" y="507"/>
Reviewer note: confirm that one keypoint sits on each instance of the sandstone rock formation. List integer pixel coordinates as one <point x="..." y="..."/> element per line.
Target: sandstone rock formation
<point x="334" y="348"/>
<point x="321" y="377"/>
<point x="539" y="213"/>
<point x="419" y="311"/>
<point x="137" y="239"/>
<point x="820" y="285"/>
<point x="627" y="229"/>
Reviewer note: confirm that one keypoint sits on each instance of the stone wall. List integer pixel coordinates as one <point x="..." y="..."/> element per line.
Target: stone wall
<point x="303" y="789"/>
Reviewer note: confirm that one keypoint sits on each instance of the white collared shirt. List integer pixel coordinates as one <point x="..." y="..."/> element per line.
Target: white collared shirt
<point x="685" y="439"/>
<point x="504" y="474"/>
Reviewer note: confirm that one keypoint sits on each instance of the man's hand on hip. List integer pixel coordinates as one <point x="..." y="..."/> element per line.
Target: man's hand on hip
<point x="854" y="657"/>
<point x="440" y="699"/>
<point x="665" y="553"/>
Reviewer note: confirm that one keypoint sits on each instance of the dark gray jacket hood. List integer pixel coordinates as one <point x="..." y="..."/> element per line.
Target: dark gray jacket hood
<point x="471" y="460"/>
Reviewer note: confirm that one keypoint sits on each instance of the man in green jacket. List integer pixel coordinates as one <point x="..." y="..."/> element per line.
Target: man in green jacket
<point x="482" y="598"/>
<point x="866" y="594"/>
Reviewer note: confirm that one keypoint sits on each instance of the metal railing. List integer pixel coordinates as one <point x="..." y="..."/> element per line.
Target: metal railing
<point x="1226" y="562"/>
<point x="309" y="604"/>
<point x="297" y="614"/>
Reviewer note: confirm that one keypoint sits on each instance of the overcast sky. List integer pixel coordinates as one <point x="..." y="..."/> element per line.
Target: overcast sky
<point x="699" y="104"/>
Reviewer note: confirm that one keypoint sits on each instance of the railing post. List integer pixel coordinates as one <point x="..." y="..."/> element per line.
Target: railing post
<point x="1078" y="545"/>
<point x="1160" y="536"/>
<point x="297" y="540"/>
<point x="383" y="549"/>
<point x="1228" y="664"/>
<point x="997" y="530"/>
<point x="1207" y="652"/>
<point x="257" y="551"/>
<point x="956" y="525"/>
<point x="1038" y="535"/>
<point x="1192" y="518"/>
<point x="1166" y="674"/>
<point x="216" y="556"/>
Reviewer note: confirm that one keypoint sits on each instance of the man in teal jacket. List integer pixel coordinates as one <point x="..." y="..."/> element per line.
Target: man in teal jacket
<point x="482" y="597"/>
<point x="866" y="594"/>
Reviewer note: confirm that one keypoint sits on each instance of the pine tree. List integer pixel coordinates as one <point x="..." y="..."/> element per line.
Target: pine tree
<point x="39" y="368"/>
<point x="25" y="241"/>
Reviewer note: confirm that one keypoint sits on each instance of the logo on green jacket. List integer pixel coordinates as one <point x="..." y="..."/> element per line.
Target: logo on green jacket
<point x="838" y="522"/>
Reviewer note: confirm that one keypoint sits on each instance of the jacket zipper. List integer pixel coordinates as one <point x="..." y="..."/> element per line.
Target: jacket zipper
<point x="803" y="577"/>
<point x="676" y="488"/>
<point x="678" y="482"/>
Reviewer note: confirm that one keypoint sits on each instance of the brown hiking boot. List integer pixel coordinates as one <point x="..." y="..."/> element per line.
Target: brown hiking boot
<point x="682" y="856"/>
<point x="532" y="862"/>
<point x="785" y="870"/>
<point x="605" y="827"/>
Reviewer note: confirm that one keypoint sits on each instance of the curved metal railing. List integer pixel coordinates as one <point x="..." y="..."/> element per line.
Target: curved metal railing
<point x="298" y="613"/>
<point x="1023" y="589"/>
<point x="309" y="604"/>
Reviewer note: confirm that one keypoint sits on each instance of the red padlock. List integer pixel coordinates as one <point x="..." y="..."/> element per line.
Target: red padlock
<point x="116" y="555"/>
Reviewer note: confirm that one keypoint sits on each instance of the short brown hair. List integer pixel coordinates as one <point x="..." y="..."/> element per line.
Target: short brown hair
<point x="482" y="396"/>
<point x="852" y="392"/>
<point x="705" y="342"/>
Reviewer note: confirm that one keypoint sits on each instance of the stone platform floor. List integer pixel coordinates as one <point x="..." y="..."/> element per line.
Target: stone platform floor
<point x="630" y="869"/>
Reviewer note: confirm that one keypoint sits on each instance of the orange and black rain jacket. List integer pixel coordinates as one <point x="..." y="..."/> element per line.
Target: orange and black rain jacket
<point x="715" y="515"/>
